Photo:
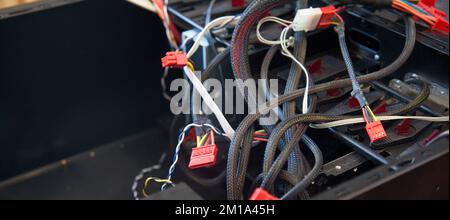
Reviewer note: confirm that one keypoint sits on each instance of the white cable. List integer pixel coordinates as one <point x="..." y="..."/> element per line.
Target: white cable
<point x="277" y="20"/>
<point x="218" y="22"/>
<point x="285" y="43"/>
<point x="381" y="118"/>
<point x="286" y="52"/>
<point x="228" y="130"/>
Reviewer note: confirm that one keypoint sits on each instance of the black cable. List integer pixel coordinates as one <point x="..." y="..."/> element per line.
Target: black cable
<point x="236" y="143"/>
<point x="277" y="134"/>
<point x="357" y="92"/>
<point x="302" y="119"/>
<point x="241" y="69"/>
<point x="293" y="81"/>
<point x="306" y="181"/>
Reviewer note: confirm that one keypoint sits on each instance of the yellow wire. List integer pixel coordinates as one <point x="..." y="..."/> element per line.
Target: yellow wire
<point x="191" y="66"/>
<point x="147" y="181"/>
<point x="335" y="23"/>
<point x="371" y="113"/>
<point x="202" y="141"/>
<point x="198" y="141"/>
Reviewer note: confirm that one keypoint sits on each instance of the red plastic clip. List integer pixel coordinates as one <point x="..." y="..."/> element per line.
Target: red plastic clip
<point x="376" y="131"/>
<point x="175" y="59"/>
<point x="204" y="156"/>
<point x="328" y="14"/>
<point x="261" y="194"/>
<point x="353" y="103"/>
<point x="237" y="3"/>
<point x="430" y="137"/>
<point x="441" y="24"/>
<point x="381" y="108"/>
<point x="403" y="129"/>
<point x="316" y="66"/>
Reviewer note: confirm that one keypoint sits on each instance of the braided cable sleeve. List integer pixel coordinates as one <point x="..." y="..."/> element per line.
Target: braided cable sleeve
<point x="295" y="73"/>
<point x="285" y="125"/>
<point x="278" y="132"/>
<point x="236" y="143"/>
<point x="305" y="182"/>
<point x="250" y="16"/>
<point x="243" y="164"/>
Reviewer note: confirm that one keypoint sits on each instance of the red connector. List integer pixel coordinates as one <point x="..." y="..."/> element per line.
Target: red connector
<point x="328" y="14"/>
<point x="261" y="194"/>
<point x="441" y="24"/>
<point x="175" y="59"/>
<point x="376" y="131"/>
<point x="310" y="19"/>
<point x="203" y="156"/>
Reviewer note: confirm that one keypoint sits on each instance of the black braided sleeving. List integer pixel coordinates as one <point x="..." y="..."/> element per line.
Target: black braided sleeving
<point x="269" y="179"/>
<point x="306" y="181"/>
<point x="237" y="145"/>
<point x="304" y="166"/>
<point x="250" y="119"/>
<point x="292" y="84"/>
<point x="239" y="49"/>
<point x="271" y="150"/>
<point x="414" y="104"/>
<point x="277" y="165"/>
<point x="277" y="133"/>
<point x="272" y="144"/>
<point x="410" y="29"/>
<point x="285" y="125"/>
<point x="264" y="76"/>
<point x="284" y="175"/>
<point x="250" y="16"/>
<point x="243" y="164"/>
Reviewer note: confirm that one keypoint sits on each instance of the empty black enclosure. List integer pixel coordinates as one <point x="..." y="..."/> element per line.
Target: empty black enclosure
<point x="75" y="77"/>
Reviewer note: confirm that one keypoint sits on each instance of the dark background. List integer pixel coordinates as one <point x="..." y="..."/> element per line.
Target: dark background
<point x="75" y="77"/>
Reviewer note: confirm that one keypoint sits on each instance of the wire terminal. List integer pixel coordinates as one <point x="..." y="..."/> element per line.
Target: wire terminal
<point x="376" y="131"/>
<point x="310" y="19"/>
<point x="203" y="156"/>
<point x="175" y="59"/>
<point x="261" y="194"/>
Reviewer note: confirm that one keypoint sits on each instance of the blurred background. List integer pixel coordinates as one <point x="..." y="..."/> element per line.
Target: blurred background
<point x="76" y="77"/>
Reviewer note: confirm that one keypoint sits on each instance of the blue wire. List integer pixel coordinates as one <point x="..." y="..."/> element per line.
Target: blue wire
<point x="416" y="7"/>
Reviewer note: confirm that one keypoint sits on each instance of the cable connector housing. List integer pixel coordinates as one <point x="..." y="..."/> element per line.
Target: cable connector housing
<point x="441" y="24"/>
<point x="261" y="194"/>
<point x="328" y="14"/>
<point x="174" y="59"/>
<point x="204" y="156"/>
<point x="310" y="19"/>
<point x="376" y="131"/>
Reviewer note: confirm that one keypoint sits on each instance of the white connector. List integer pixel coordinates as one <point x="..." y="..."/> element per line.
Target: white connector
<point x="307" y="19"/>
